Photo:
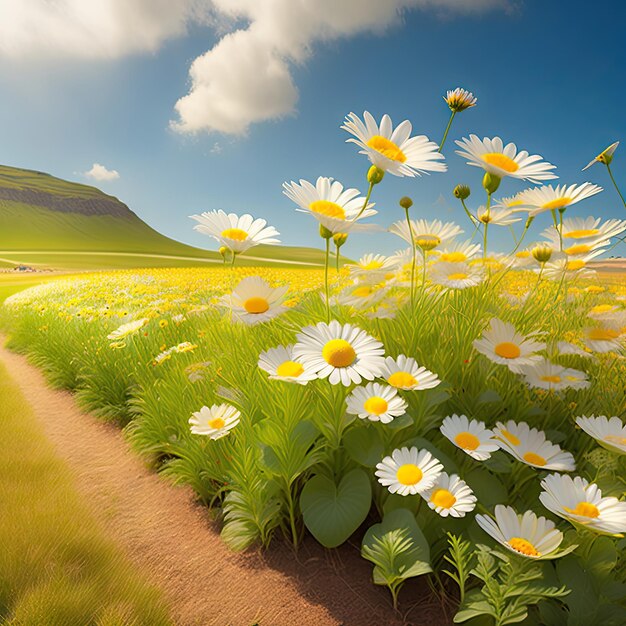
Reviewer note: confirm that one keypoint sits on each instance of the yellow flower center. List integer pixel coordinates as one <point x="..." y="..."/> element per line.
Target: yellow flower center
<point x="387" y="148"/>
<point x="467" y="441"/>
<point x="217" y="423"/>
<point x="557" y="203"/>
<point x="581" y="248"/>
<point x="338" y="353"/>
<point x="453" y="257"/>
<point x="372" y="265"/>
<point x="584" y="509"/>
<point x="256" y="305"/>
<point x="501" y="161"/>
<point x="550" y="379"/>
<point x="523" y="546"/>
<point x="574" y="266"/>
<point x="580" y="234"/>
<point x="443" y="498"/>
<point x="510" y="437"/>
<point x="235" y="234"/>
<point x="457" y="276"/>
<point x="409" y="474"/>
<point x="327" y="208"/>
<point x="376" y="405"/>
<point x="507" y="350"/>
<point x="534" y="459"/>
<point x="402" y="380"/>
<point x="362" y="292"/>
<point x="620" y="441"/>
<point x="289" y="369"/>
<point x="602" y="334"/>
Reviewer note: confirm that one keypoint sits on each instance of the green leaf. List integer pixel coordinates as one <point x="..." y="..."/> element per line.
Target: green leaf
<point x="488" y="396"/>
<point x="449" y="465"/>
<point x="365" y="445"/>
<point x="488" y="488"/>
<point x="333" y="512"/>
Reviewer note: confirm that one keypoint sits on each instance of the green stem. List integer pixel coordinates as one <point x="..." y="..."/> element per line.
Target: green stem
<point x="529" y="221"/>
<point x="337" y="259"/>
<point x="367" y="199"/>
<point x="486" y="225"/>
<point x="445" y="134"/>
<point x="327" y="288"/>
<point x="467" y="212"/>
<point x="413" y="261"/>
<point x="608" y="167"/>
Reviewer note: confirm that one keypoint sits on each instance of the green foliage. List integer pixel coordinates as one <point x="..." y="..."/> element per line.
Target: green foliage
<point x="461" y="558"/>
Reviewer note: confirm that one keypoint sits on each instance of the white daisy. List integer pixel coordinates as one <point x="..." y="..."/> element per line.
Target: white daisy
<point x="237" y="233"/>
<point x="371" y="268"/>
<point x="501" y="161"/>
<point x="450" y="495"/>
<point x="603" y="339"/>
<point x="404" y="373"/>
<point x="342" y="353"/>
<point x="526" y="535"/>
<point x="362" y="295"/>
<point x="394" y="151"/>
<point x="584" y="230"/>
<point x="408" y="471"/>
<point x="216" y="421"/>
<point x="457" y="252"/>
<point x="456" y="275"/>
<point x="498" y="216"/>
<point x="127" y="329"/>
<point x="376" y="402"/>
<point x="530" y="446"/>
<point x="472" y="436"/>
<point x="601" y="311"/>
<point x="609" y="432"/>
<point x="523" y="258"/>
<point x="606" y="156"/>
<point x="279" y="363"/>
<point x="508" y="202"/>
<point x="549" y="198"/>
<point x="553" y="377"/>
<point x="565" y="347"/>
<point x="564" y="268"/>
<point x="254" y="301"/>
<point x="459" y="99"/>
<point x="502" y="344"/>
<point x="432" y="233"/>
<point x="579" y="502"/>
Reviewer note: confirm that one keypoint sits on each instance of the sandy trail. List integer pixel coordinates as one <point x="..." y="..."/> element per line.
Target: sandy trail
<point x="172" y="540"/>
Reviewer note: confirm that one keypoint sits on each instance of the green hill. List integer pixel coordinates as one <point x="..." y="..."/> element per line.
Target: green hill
<point x="50" y="222"/>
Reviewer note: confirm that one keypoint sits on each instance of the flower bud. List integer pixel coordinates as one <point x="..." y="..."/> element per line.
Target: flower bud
<point x="375" y="175"/>
<point x="340" y="239"/>
<point x="406" y="202"/>
<point x="224" y="251"/>
<point x="491" y="182"/>
<point x="542" y="253"/>
<point x="325" y="233"/>
<point x="427" y="242"/>
<point x="462" y="192"/>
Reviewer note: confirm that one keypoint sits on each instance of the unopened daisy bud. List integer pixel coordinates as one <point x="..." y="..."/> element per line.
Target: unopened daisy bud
<point x="427" y="242"/>
<point x="340" y="239"/>
<point x="223" y="251"/>
<point x="460" y="99"/>
<point x="462" y="192"/>
<point x="406" y="202"/>
<point x="325" y="233"/>
<point x="491" y="182"/>
<point x="542" y="254"/>
<point x="375" y="175"/>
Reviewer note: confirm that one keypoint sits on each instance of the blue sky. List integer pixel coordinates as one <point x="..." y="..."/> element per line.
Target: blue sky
<point x="548" y="76"/>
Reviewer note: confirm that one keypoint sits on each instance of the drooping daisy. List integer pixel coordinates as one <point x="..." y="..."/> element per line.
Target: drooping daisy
<point x="450" y="495"/>
<point x="394" y="151"/>
<point x="500" y="160"/>
<point x="530" y="446"/>
<point x="472" y="436"/>
<point x="376" y="402"/>
<point x="404" y="373"/>
<point x="426" y="234"/>
<point x="609" y="432"/>
<point x="342" y="353"/>
<point x="335" y="208"/>
<point x="215" y="421"/>
<point x="457" y="252"/>
<point x="408" y="471"/>
<point x="579" y="502"/>
<point x="498" y="216"/>
<point x="254" y="301"/>
<point x="127" y="329"/>
<point x="501" y="343"/>
<point x="460" y="99"/>
<point x="549" y="198"/>
<point x="237" y="233"/>
<point x="606" y="156"/>
<point x="603" y="339"/>
<point x="456" y="275"/>
<point x="279" y="363"/>
<point x="553" y="377"/>
<point x="526" y="535"/>
<point x="585" y="230"/>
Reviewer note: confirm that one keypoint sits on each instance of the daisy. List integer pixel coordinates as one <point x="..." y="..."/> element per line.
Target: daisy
<point x="254" y="301"/>
<point x="502" y="344"/>
<point x="585" y="230"/>
<point x="609" y="432"/>
<point x="237" y="233"/>
<point x="603" y="339"/>
<point x="450" y="495"/>
<point x="342" y="353"/>
<point x="362" y="296"/>
<point x="127" y="329"/>
<point x="376" y="402"/>
<point x="523" y="258"/>
<point x="499" y="216"/>
<point x="394" y="151"/>
<point x="602" y="310"/>
<point x="371" y="267"/>
<point x="526" y="535"/>
<point x="408" y="471"/>
<point x="425" y="234"/>
<point x="606" y="156"/>
<point x="456" y="275"/>
<point x="549" y="198"/>
<point x="569" y="269"/>
<point x="335" y="208"/>
<point x="565" y="347"/>
<point x="530" y="446"/>
<point x="279" y="363"/>
<point x="581" y="249"/>
<point x="404" y="373"/>
<point x="501" y="161"/>
<point x="508" y="202"/>
<point x="473" y="437"/>
<point x="460" y="99"/>
<point x="458" y="252"/>
<point x="553" y="377"/>
<point x="581" y="503"/>
<point x="216" y="422"/>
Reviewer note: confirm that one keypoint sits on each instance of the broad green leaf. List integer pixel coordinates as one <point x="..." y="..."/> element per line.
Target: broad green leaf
<point x="488" y="488"/>
<point x="365" y="445"/>
<point x="333" y="512"/>
<point x="448" y="463"/>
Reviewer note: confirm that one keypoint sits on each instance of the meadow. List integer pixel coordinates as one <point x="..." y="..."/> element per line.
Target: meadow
<point x="460" y="410"/>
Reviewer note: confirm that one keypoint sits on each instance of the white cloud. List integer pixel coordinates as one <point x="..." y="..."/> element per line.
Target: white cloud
<point x="99" y="172"/>
<point x="216" y="148"/>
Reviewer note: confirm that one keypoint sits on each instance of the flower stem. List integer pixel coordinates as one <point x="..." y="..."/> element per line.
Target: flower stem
<point x="367" y="199"/>
<point x="486" y="225"/>
<point x="608" y="167"/>
<point x="445" y="134"/>
<point x="414" y="259"/>
<point x="327" y="288"/>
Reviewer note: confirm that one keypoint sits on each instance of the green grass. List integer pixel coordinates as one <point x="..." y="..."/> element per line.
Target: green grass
<point x="12" y="283"/>
<point x="56" y="566"/>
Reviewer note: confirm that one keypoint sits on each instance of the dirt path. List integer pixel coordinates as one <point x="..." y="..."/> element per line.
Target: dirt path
<point x="170" y="537"/>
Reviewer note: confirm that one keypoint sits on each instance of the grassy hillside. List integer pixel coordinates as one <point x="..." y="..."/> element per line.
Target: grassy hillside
<point x="52" y="222"/>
